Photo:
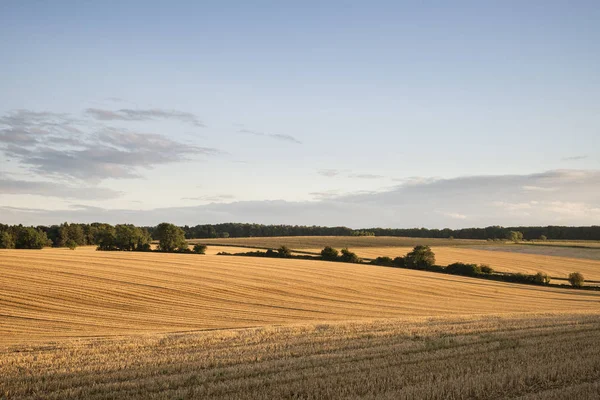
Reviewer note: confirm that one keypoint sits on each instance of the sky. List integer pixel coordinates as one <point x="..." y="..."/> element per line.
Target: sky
<point x="393" y="114"/>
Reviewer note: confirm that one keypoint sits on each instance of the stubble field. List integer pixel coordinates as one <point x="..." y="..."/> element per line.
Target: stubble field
<point x="102" y="325"/>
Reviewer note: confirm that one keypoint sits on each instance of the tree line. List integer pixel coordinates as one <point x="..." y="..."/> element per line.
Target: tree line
<point x="208" y="231"/>
<point x="128" y="237"/>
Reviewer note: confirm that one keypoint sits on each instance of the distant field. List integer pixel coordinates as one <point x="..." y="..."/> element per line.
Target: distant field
<point x="549" y="356"/>
<point x="587" y="253"/>
<point x="504" y="261"/>
<point x="310" y="242"/>
<point x="58" y="294"/>
<point x="593" y="244"/>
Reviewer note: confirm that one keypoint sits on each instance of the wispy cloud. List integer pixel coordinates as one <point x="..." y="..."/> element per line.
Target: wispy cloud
<point x="539" y="188"/>
<point x="453" y="215"/>
<point x="277" y="136"/>
<point x="217" y="198"/>
<point x="48" y="189"/>
<point x="329" y="172"/>
<point x="55" y="145"/>
<point x="127" y="114"/>
<point x="575" y="158"/>
<point x="366" y="176"/>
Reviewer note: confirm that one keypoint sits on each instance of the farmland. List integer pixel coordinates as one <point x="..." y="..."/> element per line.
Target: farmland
<point x="311" y="242"/>
<point x="95" y="325"/>
<point x="534" y="356"/>
<point x="556" y="261"/>
<point x="58" y="294"/>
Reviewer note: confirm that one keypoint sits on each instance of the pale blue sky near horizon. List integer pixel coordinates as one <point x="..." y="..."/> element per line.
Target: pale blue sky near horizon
<point x="306" y="103"/>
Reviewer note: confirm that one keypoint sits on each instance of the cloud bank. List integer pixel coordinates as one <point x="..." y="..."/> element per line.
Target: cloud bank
<point x="455" y="203"/>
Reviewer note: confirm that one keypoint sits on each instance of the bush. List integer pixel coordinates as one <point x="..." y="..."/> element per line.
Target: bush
<point x="486" y="269"/>
<point x="541" y="278"/>
<point x="271" y="253"/>
<point x="576" y="279"/>
<point x="284" y="252"/>
<point x="349" y="257"/>
<point x="71" y="244"/>
<point x="399" y="262"/>
<point x="329" y="254"/>
<point x="464" y="269"/>
<point x="385" y="261"/>
<point x="200" y="248"/>
<point x="420" y="258"/>
<point x="543" y="237"/>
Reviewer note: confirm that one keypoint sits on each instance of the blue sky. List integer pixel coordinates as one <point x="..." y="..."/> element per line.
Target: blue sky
<point x="277" y="112"/>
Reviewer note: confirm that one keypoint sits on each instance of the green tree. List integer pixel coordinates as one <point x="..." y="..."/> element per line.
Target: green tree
<point x="170" y="237"/>
<point x="348" y="256"/>
<point x="106" y="238"/>
<point x="515" y="236"/>
<point x="543" y="237"/>
<point x="71" y="244"/>
<point x="200" y="248"/>
<point x="576" y="279"/>
<point x="421" y="257"/>
<point x="541" y="278"/>
<point x="284" y="252"/>
<point x="31" y="238"/>
<point x="329" y="254"/>
<point x="7" y="241"/>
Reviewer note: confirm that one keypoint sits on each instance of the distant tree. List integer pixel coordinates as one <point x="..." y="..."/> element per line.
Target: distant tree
<point x="170" y="237"/>
<point x="543" y="237"/>
<point x="385" y="261"/>
<point x="400" y="262"/>
<point x="463" y="269"/>
<point x="515" y="236"/>
<point x="199" y="248"/>
<point x="329" y="254"/>
<point x="71" y="244"/>
<point x="349" y="257"/>
<point x="486" y="269"/>
<point x="106" y="238"/>
<point x="271" y="253"/>
<point x="224" y="235"/>
<point x="420" y="257"/>
<point x="31" y="238"/>
<point x="7" y="241"/>
<point x="576" y="279"/>
<point x="284" y="252"/>
<point x="541" y="278"/>
<point x="144" y="240"/>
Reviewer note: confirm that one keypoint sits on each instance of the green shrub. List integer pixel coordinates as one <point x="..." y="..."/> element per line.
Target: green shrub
<point x="349" y="257"/>
<point x="486" y="269"/>
<point x="576" y="279"/>
<point x="71" y="244"/>
<point x="464" y="269"/>
<point x="284" y="252"/>
<point x="386" y="261"/>
<point x="200" y="248"/>
<point x="541" y="278"/>
<point x="329" y="254"/>
<point x="400" y="262"/>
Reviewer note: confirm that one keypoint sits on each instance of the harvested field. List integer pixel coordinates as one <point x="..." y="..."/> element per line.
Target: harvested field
<point x="558" y="267"/>
<point x="310" y="242"/>
<point x="589" y="253"/>
<point x="58" y="294"/>
<point x="549" y="356"/>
